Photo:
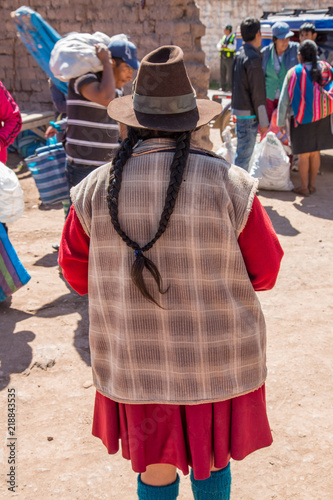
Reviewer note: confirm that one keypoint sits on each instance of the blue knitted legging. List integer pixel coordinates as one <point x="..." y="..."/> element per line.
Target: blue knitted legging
<point x="216" y="487"/>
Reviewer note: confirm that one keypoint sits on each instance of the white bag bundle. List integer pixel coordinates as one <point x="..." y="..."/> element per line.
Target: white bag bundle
<point x="11" y="195"/>
<point x="75" y="54"/>
<point x="228" y="148"/>
<point x="270" y="164"/>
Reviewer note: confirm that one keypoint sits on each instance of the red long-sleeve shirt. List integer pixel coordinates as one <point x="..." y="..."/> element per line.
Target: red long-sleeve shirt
<point x="260" y="247"/>
<point x="10" y="116"/>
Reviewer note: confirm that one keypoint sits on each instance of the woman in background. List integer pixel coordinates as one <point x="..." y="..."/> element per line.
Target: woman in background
<point x="307" y="99"/>
<point x="10" y="121"/>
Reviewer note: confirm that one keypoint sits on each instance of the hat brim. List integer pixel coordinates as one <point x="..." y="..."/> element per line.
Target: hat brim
<point x="122" y="111"/>
<point x="133" y="64"/>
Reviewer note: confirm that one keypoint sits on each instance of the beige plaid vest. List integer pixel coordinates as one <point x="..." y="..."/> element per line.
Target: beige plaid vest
<point x="209" y="341"/>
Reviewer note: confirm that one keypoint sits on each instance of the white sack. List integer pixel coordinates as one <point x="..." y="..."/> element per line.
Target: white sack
<point x="270" y="164"/>
<point x="228" y="148"/>
<point x="11" y="195"/>
<point x="75" y="54"/>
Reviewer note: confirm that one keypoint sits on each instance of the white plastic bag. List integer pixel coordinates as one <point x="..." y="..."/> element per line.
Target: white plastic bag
<point x="75" y="54"/>
<point x="11" y="195"/>
<point x="228" y="148"/>
<point x="270" y="164"/>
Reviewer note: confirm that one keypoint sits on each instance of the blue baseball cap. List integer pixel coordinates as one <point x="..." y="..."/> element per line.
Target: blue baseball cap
<point x="281" y="30"/>
<point x="125" y="50"/>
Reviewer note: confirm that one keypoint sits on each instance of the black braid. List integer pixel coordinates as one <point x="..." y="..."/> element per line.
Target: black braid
<point x="308" y="51"/>
<point x="176" y="174"/>
<point x="315" y="71"/>
<point x="116" y="174"/>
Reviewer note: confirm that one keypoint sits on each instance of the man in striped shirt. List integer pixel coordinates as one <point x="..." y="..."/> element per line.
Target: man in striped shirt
<point x="91" y="135"/>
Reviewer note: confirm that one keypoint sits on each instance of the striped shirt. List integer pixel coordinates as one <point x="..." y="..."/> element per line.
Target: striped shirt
<point x="91" y="135"/>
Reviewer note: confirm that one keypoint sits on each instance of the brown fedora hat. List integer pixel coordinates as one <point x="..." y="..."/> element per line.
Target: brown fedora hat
<point x="163" y="97"/>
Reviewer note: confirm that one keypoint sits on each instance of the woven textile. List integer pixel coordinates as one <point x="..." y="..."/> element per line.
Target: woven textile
<point x="12" y="273"/>
<point x="47" y="167"/>
<point x="310" y="101"/>
<point x="208" y="343"/>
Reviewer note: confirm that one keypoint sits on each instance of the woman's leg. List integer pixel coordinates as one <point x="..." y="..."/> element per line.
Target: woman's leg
<point x="159" y="482"/>
<point x="159" y="474"/>
<point x="314" y="169"/>
<point x="303" y="168"/>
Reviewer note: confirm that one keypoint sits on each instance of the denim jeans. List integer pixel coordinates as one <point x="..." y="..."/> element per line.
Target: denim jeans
<point x="76" y="172"/>
<point x="246" y="130"/>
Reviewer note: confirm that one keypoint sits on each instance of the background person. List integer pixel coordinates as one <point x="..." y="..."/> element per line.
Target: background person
<point x="308" y="32"/>
<point x="248" y="101"/>
<point x="91" y="135"/>
<point x="179" y="368"/>
<point x="278" y="57"/>
<point x="60" y="113"/>
<point x="10" y="121"/>
<point x="310" y="107"/>
<point x="227" y="49"/>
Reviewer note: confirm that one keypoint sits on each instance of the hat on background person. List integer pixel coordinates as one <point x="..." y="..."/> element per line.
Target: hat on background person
<point x="163" y="97"/>
<point x="281" y="30"/>
<point x="228" y="27"/>
<point x="121" y="47"/>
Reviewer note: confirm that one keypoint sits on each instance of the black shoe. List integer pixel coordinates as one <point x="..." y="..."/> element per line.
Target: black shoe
<point x="56" y="246"/>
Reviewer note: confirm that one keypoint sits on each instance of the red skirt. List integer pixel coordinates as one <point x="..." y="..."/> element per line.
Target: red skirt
<point x="200" y="436"/>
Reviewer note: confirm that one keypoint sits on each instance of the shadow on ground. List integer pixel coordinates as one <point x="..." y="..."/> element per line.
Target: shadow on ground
<point x="64" y="305"/>
<point x="281" y="224"/>
<point x="15" y="351"/>
<point x="318" y="204"/>
<point x="48" y="260"/>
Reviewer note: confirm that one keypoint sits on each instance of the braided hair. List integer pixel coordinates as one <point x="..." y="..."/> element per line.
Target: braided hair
<point x="308" y="52"/>
<point x="176" y="175"/>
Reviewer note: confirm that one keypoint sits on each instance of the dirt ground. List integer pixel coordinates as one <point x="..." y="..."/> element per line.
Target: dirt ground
<point x="45" y="358"/>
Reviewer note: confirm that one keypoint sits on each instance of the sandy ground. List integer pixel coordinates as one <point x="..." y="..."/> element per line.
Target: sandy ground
<point x="45" y="358"/>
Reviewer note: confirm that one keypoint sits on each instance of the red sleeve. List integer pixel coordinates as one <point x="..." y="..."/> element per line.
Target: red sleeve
<point x="10" y="116"/>
<point x="74" y="253"/>
<point x="260" y="247"/>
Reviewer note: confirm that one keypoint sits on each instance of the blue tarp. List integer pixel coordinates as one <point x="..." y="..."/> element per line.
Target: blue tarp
<point x="39" y="38"/>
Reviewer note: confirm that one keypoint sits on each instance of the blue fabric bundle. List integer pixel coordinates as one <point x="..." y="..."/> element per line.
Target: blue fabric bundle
<point x="39" y="38"/>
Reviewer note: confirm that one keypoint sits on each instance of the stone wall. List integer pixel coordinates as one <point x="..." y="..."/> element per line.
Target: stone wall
<point x="215" y="14"/>
<point x="150" y="23"/>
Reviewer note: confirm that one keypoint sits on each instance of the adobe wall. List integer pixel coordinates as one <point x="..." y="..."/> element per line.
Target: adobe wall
<point x="215" y="14"/>
<point x="150" y="23"/>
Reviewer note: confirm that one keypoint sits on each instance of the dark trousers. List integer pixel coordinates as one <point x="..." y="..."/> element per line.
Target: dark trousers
<point x="76" y="172"/>
<point x="226" y="72"/>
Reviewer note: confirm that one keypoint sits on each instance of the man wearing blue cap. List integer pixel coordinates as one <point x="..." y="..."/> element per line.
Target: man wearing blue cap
<point x="91" y="135"/>
<point x="277" y="58"/>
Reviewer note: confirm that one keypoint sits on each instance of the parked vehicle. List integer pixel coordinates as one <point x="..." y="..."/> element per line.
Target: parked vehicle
<point x="321" y="18"/>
